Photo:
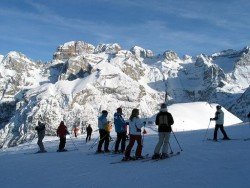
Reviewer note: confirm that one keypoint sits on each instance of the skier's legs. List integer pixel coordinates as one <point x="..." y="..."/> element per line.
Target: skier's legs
<point x="215" y="131"/>
<point x="160" y="142"/>
<point x="165" y="142"/>
<point x="130" y="145"/>
<point x="87" y="138"/>
<point x="102" y="137"/>
<point x="223" y="131"/>
<point x="40" y="143"/>
<point x="118" y="140"/>
<point x="106" y="139"/>
<point x="139" y="146"/>
<point x="63" y="142"/>
<point x="123" y="144"/>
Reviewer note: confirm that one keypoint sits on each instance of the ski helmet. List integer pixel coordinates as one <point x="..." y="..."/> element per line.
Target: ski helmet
<point x="163" y="105"/>
<point x="218" y="107"/>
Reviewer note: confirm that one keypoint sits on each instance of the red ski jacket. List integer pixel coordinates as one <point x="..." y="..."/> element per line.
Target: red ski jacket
<point x="62" y="130"/>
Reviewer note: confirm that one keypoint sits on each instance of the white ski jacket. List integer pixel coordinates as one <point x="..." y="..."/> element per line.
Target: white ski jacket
<point x="219" y="117"/>
<point x="134" y="124"/>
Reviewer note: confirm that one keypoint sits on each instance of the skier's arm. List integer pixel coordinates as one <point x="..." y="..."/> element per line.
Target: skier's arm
<point x="157" y="119"/>
<point x="171" y="120"/>
<point x="216" y="116"/>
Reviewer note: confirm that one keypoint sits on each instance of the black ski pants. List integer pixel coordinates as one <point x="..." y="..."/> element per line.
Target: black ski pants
<point x="104" y="138"/>
<point x="62" y="142"/>
<point x="221" y="127"/>
<point x="121" y="137"/>
<point x="88" y="138"/>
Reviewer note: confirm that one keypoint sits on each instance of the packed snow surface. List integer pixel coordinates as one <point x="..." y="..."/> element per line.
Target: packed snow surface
<point x="200" y="164"/>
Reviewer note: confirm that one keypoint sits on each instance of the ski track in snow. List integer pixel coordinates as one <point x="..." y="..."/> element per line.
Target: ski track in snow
<point x="201" y="164"/>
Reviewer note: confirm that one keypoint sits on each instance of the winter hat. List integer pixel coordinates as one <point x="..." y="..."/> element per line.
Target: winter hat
<point x="104" y="112"/>
<point x="218" y="107"/>
<point x="164" y="107"/>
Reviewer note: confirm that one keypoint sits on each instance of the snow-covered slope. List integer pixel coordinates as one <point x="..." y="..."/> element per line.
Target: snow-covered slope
<point x="199" y="165"/>
<point x="82" y="80"/>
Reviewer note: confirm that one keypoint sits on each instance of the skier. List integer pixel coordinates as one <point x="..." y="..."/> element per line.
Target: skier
<point x="104" y="135"/>
<point x="219" y="118"/>
<point x="248" y="117"/>
<point x="75" y="130"/>
<point x="89" y="132"/>
<point x="62" y="131"/>
<point x="41" y="133"/>
<point x="135" y="125"/>
<point x="121" y="131"/>
<point x="164" y="120"/>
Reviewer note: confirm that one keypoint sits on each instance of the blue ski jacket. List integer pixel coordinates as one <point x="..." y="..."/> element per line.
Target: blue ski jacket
<point x="120" y="124"/>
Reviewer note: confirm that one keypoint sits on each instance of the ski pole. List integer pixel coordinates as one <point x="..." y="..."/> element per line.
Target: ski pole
<point x="113" y="145"/>
<point x="177" y="141"/>
<point x="206" y="131"/>
<point x="73" y="142"/>
<point x="29" y="143"/>
<point x="95" y="142"/>
<point x="93" y="145"/>
<point x="170" y="148"/>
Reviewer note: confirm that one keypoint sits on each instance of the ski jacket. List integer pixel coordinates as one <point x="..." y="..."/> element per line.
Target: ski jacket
<point x="120" y="124"/>
<point x="164" y="120"/>
<point x="89" y="130"/>
<point x="219" y="117"/>
<point x="40" y="129"/>
<point x="62" y="130"/>
<point x="135" y="125"/>
<point x="102" y="122"/>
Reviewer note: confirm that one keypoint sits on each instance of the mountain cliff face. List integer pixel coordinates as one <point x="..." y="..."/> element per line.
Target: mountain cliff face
<point x="82" y="80"/>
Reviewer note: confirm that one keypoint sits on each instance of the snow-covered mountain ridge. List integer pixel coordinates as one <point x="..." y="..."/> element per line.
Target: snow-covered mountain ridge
<point x="82" y="80"/>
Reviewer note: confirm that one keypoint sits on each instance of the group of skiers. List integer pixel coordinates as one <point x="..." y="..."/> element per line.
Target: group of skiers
<point x="164" y="120"/>
<point x="62" y="132"/>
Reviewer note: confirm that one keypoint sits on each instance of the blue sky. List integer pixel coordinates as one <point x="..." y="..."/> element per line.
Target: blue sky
<point x="37" y="27"/>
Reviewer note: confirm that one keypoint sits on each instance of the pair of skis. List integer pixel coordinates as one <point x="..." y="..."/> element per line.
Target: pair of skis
<point x="231" y="139"/>
<point x="159" y="159"/>
<point x="147" y="158"/>
<point x="29" y="153"/>
<point x="132" y="160"/>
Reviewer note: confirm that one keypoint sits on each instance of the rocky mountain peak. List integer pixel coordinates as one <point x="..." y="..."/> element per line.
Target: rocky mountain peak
<point x="170" y="55"/>
<point x="17" y="61"/>
<point x="140" y="52"/>
<point x="202" y="59"/>
<point x="108" y="48"/>
<point x="72" y="49"/>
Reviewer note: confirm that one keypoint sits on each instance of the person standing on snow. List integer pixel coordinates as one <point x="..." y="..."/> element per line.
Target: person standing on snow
<point x="62" y="131"/>
<point x="40" y="133"/>
<point x="75" y="130"/>
<point x="104" y="135"/>
<point x="121" y="130"/>
<point x="219" y="119"/>
<point x="163" y="120"/>
<point x="135" y="125"/>
<point x="89" y="132"/>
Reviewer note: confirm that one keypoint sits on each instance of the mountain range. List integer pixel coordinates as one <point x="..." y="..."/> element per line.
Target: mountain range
<point x="82" y="80"/>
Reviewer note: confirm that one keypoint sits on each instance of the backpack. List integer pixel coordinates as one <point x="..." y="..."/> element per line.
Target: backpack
<point x="108" y="127"/>
<point x="163" y="120"/>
